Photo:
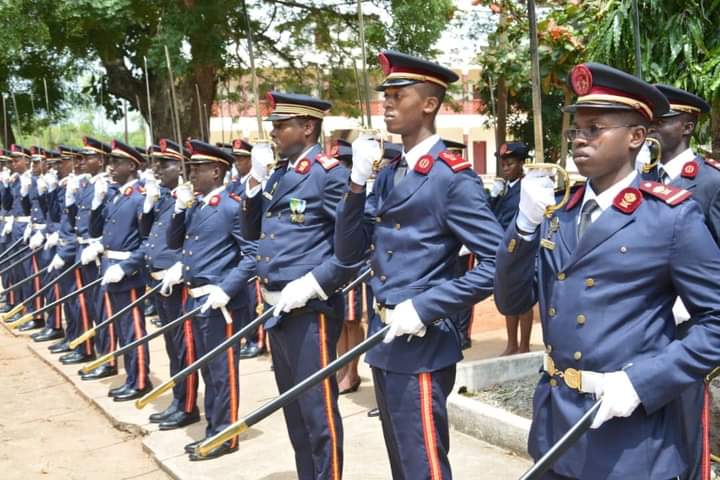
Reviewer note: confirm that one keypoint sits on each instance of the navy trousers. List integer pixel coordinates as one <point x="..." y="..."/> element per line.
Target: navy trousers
<point x="413" y="412"/>
<point x="302" y="343"/>
<point x="221" y="378"/>
<point x="180" y="347"/>
<point x="130" y="326"/>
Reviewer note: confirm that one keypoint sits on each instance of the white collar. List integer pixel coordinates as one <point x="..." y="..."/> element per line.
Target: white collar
<point x="93" y="179"/>
<point x="300" y="157"/>
<point x="128" y="184"/>
<point x="512" y="184"/>
<point x="605" y="199"/>
<point x="211" y="194"/>
<point x="244" y="178"/>
<point x="674" y="167"/>
<point x="412" y="156"/>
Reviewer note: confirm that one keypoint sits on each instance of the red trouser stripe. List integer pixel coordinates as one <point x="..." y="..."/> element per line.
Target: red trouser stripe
<point x="428" y="425"/>
<point x="138" y="335"/>
<point x="83" y="311"/>
<point x="232" y="383"/>
<point x="36" y="283"/>
<point x="327" y="396"/>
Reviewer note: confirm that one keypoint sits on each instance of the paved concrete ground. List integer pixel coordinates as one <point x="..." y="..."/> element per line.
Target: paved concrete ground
<point x="265" y="452"/>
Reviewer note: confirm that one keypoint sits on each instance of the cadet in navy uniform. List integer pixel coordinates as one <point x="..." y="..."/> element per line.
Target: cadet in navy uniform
<point x="210" y="236"/>
<point x="61" y="166"/>
<point x="680" y="167"/>
<point x="423" y="207"/>
<point x="160" y="258"/>
<point x="79" y="194"/>
<point x="606" y="270"/>
<point x="294" y="218"/>
<point x="5" y="158"/>
<point x="115" y="218"/>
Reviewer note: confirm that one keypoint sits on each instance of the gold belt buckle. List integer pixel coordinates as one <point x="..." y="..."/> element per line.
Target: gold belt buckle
<point x="381" y="313"/>
<point x="573" y="378"/>
<point x="551" y="370"/>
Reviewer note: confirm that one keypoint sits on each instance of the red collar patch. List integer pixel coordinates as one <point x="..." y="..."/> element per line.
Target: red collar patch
<point x="128" y="191"/>
<point x="303" y="166"/>
<point x="424" y="164"/>
<point x="628" y="200"/>
<point x="575" y="199"/>
<point x="214" y="201"/>
<point x="690" y="169"/>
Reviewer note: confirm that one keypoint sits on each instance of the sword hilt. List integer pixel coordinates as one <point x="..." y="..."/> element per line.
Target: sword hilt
<point x="99" y="362"/>
<point x="211" y="444"/>
<point x="22" y="321"/>
<point x="142" y="402"/>
<point x="82" y="338"/>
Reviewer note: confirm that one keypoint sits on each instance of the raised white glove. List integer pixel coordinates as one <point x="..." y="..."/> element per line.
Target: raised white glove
<point x="147" y="175"/>
<point x="404" y="320"/>
<point x="52" y="240"/>
<point x="619" y="398"/>
<point x="498" y="188"/>
<point x="537" y="192"/>
<point x="25" y="183"/>
<point x="5" y="177"/>
<point x="152" y="195"/>
<point x="71" y="187"/>
<point x="173" y="276"/>
<point x="56" y="263"/>
<point x="644" y="157"/>
<point x="36" y="240"/>
<point x="8" y="228"/>
<point x="42" y="186"/>
<point x="184" y="197"/>
<point x="99" y="192"/>
<point x="27" y="233"/>
<point x="91" y="252"/>
<point x="297" y="293"/>
<point x="113" y="274"/>
<point x="51" y="179"/>
<point x="366" y="151"/>
<point x="261" y="158"/>
<point x="217" y="298"/>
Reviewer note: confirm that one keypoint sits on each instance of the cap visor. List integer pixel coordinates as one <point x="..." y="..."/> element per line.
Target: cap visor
<point x="598" y="106"/>
<point x="395" y="82"/>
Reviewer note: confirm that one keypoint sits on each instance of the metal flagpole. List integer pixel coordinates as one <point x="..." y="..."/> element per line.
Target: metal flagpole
<point x="536" y="93"/>
<point x="361" y="26"/>
<point x="149" y="102"/>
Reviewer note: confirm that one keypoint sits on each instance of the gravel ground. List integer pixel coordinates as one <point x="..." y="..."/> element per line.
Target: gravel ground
<point x="515" y="396"/>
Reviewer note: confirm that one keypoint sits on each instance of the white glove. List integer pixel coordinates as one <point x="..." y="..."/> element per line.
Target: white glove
<point x="404" y="320"/>
<point x="498" y="188"/>
<point x="91" y="252"/>
<point x="680" y="313"/>
<point x="25" y="183"/>
<point x="36" y="240"/>
<point x="619" y="398"/>
<point x="147" y="175"/>
<point x="99" y="192"/>
<point x="27" y="233"/>
<point x="173" y="276"/>
<point x="152" y="195"/>
<point x="56" y="263"/>
<point x="51" y="180"/>
<point x="8" y="228"/>
<point x="42" y="186"/>
<point x="261" y="157"/>
<point x="5" y="177"/>
<point x="217" y="298"/>
<point x="71" y="187"/>
<point x="184" y="197"/>
<point x="366" y="151"/>
<point x="52" y="240"/>
<point x="464" y="251"/>
<point x="113" y="274"/>
<point x="297" y="293"/>
<point x="537" y="192"/>
<point x="644" y="157"/>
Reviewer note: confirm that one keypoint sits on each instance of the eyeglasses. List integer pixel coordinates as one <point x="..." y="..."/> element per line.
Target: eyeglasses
<point x="590" y="133"/>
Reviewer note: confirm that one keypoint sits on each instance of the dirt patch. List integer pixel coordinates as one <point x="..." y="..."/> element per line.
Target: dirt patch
<point x="515" y="396"/>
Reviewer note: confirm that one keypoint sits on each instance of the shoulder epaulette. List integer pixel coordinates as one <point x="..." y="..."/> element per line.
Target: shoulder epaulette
<point x="456" y="162"/>
<point x="235" y="197"/>
<point x="327" y="162"/>
<point x="667" y="193"/>
<point x="713" y="163"/>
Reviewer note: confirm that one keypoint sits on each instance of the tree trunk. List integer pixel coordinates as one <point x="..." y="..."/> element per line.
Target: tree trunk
<point x="568" y="96"/>
<point x="501" y="99"/>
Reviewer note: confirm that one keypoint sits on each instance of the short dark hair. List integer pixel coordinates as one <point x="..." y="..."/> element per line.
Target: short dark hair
<point x="434" y="90"/>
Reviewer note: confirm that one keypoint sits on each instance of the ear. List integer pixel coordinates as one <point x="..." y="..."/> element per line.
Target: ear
<point x="638" y="135"/>
<point x="688" y="128"/>
<point x="308" y="128"/>
<point x="430" y="105"/>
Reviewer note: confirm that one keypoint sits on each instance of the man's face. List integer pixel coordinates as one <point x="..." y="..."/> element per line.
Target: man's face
<point x="670" y="131"/>
<point x="206" y="176"/>
<point x="19" y="164"/>
<point x="403" y="109"/>
<point x="289" y="136"/>
<point x="91" y="164"/>
<point x="65" y="167"/>
<point x="121" y="169"/>
<point x="38" y="167"/>
<point x="512" y="168"/>
<point x="242" y="164"/>
<point x="168" y="171"/>
<point x="609" y="149"/>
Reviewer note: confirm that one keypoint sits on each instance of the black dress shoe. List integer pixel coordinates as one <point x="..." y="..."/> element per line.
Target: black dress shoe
<point x="73" y="358"/>
<point x="41" y="332"/>
<point x="14" y="318"/>
<point x="31" y="325"/>
<point x="60" y="347"/>
<point x="223" y="449"/>
<point x="160" y="417"/>
<point x="47" y="335"/>
<point x="132" y="393"/>
<point x="190" y="447"/>
<point x="103" y="371"/>
<point x="180" y="419"/>
<point x="249" y="350"/>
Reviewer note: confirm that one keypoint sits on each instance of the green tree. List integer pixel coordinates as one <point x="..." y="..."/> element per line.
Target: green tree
<point x="104" y="42"/>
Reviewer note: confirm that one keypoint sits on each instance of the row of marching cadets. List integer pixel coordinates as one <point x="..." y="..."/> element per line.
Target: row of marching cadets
<point x="606" y="270"/>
